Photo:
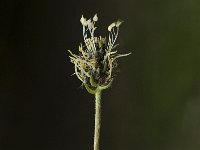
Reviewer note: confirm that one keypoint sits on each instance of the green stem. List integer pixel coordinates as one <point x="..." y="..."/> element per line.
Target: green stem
<point x="97" y="119"/>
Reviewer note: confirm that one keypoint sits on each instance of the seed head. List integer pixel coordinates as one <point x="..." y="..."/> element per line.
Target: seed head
<point x="96" y="63"/>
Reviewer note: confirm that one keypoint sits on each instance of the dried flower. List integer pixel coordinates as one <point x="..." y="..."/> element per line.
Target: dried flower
<point x="96" y="63"/>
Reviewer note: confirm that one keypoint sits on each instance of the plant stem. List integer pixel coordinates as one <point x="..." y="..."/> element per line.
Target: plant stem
<point x="97" y="119"/>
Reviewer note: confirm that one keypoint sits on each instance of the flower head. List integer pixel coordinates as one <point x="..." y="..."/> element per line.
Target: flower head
<point x="96" y="63"/>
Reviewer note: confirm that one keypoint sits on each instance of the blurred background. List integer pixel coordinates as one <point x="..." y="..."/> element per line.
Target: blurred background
<point x="154" y="103"/>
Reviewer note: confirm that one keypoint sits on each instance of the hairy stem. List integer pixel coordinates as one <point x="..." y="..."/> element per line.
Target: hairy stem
<point x="97" y="119"/>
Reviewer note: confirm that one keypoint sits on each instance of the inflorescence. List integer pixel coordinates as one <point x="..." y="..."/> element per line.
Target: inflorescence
<point x="96" y="63"/>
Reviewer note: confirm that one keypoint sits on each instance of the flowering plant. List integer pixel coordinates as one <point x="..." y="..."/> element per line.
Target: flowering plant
<point x="96" y="64"/>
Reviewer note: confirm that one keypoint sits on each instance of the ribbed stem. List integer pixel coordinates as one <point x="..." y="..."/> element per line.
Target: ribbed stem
<point x="97" y="119"/>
